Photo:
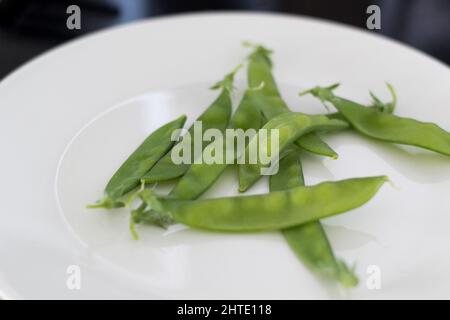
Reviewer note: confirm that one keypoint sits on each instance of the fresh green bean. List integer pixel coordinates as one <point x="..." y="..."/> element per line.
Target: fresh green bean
<point x="270" y="106"/>
<point x="197" y="178"/>
<point x="385" y="126"/>
<point x="309" y="241"/>
<point x="290" y="173"/>
<point x="275" y="210"/>
<point x="127" y="177"/>
<point x="215" y="116"/>
<point x="200" y="176"/>
<point x="270" y="102"/>
<point x="246" y="116"/>
<point x="290" y="126"/>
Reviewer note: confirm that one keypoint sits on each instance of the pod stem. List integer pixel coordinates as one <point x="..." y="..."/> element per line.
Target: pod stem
<point x="227" y="82"/>
<point x="150" y="211"/>
<point x="346" y="275"/>
<point x="319" y="91"/>
<point x="258" y="51"/>
<point x="257" y="47"/>
<point x="388" y="107"/>
<point x="322" y="93"/>
<point x="135" y="218"/>
<point x="133" y="230"/>
<point x="106" y="202"/>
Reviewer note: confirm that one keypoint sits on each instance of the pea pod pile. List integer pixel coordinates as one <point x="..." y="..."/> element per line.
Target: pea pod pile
<point x="293" y="208"/>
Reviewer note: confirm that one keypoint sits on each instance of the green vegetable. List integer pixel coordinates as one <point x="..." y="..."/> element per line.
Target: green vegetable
<point x="200" y="176"/>
<point x="216" y="116"/>
<point x="387" y="127"/>
<point x="269" y="100"/>
<point x="127" y="177"/>
<point x="377" y="104"/>
<point x="150" y="211"/>
<point x="275" y="210"/>
<point x="309" y="241"/>
<point x="290" y="207"/>
<point x="290" y="126"/>
<point x="385" y="107"/>
<point x="311" y="142"/>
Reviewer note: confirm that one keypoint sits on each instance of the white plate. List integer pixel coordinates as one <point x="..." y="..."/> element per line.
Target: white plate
<point x="69" y="118"/>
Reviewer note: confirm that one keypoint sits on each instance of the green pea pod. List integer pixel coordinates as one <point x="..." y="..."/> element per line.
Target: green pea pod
<point x="310" y="244"/>
<point x="197" y="180"/>
<point x="259" y="72"/>
<point x="290" y="173"/>
<point x="311" y="142"/>
<point x="385" y="126"/>
<point x="268" y="98"/>
<point x="200" y="176"/>
<point x="274" y="106"/>
<point x="246" y="116"/>
<point x="216" y="116"/>
<point x="309" y="241"/>
<point x="275" y="210"/>
<point x="270" y="106"/>
<point x="290" y="126"/>
<point x="127" y="177"/>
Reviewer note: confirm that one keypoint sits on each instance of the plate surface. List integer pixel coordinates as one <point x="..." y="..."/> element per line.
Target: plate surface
<point x="69" y="117"/>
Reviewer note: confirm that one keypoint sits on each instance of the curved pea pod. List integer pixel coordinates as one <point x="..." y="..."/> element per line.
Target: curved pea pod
<point x="217" y="116"/>
<point x="128" y="176"/>
<point x="290" y="126"/>
<point x="268" y="99"/>
<point x="309" y="241"/>
<point x="274" y="106"/>
<point x="200" y="176"/>
<point x="387" y="127"/>
<point x="275" y="210"/>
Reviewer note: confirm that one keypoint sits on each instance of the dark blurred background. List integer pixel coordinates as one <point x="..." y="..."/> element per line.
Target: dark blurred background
<point x="29" y="27"/>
